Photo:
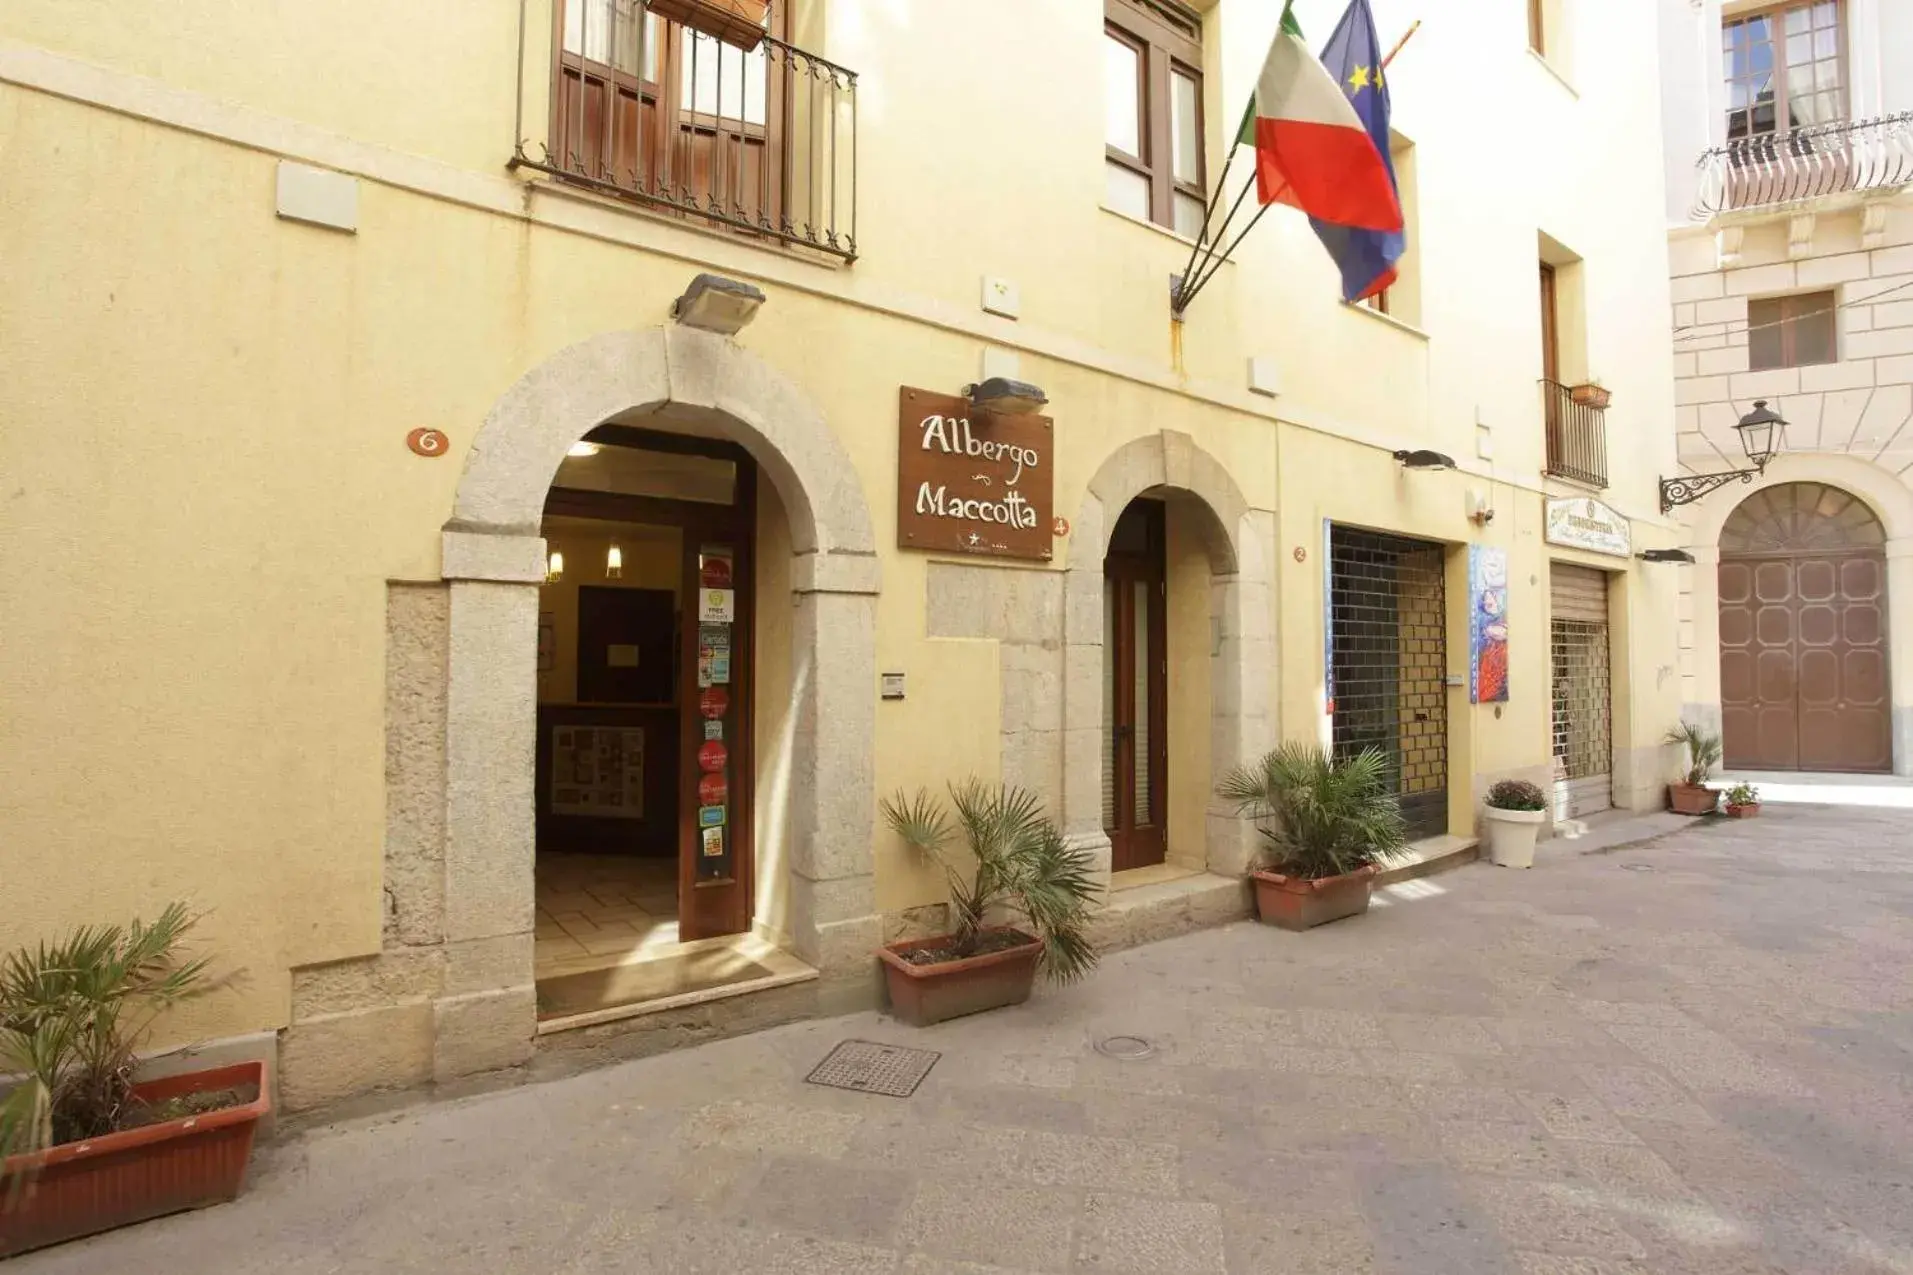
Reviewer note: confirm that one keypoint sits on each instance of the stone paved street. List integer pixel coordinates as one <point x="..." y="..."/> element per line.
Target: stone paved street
<point x="1692" y="1057"/>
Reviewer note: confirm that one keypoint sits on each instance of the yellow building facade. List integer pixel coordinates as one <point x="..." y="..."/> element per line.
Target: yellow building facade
<point x="326" y="329"/>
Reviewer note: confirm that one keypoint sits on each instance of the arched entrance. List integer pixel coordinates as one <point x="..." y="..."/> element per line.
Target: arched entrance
<point x="814" y="792"/>
<point x="1803" y="641"/>
<point x="1169" y="650"/>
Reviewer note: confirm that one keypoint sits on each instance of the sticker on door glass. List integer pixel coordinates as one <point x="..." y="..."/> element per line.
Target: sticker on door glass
<point x="714" y="730"/>
<point x="711" y="757"/>
<point x="713" y="843"/>
<point x="711" y="790"/>
<point x="710" y="816"/>
<point x="716" y="606"/>
<point x="713" y="700"/>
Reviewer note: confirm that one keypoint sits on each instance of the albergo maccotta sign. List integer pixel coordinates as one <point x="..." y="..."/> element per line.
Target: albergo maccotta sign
<point x="971" y="482"/>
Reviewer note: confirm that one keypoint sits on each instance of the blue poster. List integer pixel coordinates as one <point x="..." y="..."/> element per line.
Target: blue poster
<point x="1487" y="625"/>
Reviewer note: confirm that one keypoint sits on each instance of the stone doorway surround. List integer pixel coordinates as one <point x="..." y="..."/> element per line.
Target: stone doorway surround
<point x="1891" y="502"/>
<point x="451" y="992"/>
<point x="1239" y="541"/>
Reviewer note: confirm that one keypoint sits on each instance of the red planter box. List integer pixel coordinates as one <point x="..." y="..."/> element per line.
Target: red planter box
<point x="1294" y="903"/>
<point x="82" y="1188"/>
<point x="925" y="994"/>
<point x="1692" y="799"/>
<point x="1747" y="811"/>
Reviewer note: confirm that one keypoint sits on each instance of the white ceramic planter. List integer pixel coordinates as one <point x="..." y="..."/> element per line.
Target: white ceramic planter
<point x="1511" y="835"/>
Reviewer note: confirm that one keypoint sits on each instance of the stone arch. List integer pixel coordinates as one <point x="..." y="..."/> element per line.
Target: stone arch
<point x="1875" y="490"/>
<point x="686" y="381"/>
<point x="1238" y="539"/>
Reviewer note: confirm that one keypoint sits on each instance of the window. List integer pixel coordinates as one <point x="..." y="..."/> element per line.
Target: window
<point x="1788" y="52"/>
<point x="654" y="108"/>
<point x="1152" y="123"/>
<point x="1790" y="331"/>
<point x="1537" y="27"/>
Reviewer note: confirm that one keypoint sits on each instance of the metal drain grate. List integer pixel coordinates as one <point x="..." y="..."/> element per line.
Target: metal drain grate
<point x="868" y="1067"/>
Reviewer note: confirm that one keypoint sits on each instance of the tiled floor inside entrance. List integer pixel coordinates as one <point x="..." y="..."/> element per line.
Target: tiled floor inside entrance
<point x="600" y="910"/>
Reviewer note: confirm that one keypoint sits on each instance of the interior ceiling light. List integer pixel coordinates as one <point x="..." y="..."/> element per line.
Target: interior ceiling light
<point x="582" y="448"/>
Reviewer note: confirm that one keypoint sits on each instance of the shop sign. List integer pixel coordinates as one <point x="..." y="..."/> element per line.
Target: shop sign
<point x="1582" y="522"/>
<point x="974" y="483"/>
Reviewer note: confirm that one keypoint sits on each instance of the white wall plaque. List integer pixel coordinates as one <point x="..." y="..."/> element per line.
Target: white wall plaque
<point x="1582" y="522"/>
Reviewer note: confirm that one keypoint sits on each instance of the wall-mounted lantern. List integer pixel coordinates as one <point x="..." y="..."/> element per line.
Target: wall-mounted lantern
<point x="1762" y="434"/>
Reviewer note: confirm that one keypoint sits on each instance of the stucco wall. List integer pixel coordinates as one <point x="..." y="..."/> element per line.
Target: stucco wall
<point x="213" y="521"/>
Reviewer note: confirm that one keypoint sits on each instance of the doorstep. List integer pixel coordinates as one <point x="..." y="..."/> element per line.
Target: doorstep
<point x="706" y="970"/>
<point x="1431" y="855"/>
<point x="1147" y="904"/>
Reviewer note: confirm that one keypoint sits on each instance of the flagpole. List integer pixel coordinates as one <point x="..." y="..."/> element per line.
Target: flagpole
<point x="1180" y="300"/>
<point x="1187" y="293"/>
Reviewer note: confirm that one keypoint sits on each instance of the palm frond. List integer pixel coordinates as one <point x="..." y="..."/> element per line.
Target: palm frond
<point x="1320" y="816"/>
<point x="1019" y="862"/>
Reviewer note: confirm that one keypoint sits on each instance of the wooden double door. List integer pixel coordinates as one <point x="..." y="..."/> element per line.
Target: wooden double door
<point x="1135" y="689"/>
<point x="1803" y="663"/>
<point x="1803" y="633"/>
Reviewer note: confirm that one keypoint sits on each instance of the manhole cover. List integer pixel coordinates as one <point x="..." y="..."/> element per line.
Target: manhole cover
<point x="1126" y="1048"/>
<point x="868" y="1067"/>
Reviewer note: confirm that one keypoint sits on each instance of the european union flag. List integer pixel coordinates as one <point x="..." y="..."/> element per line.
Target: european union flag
<point x="1353" y="56"/>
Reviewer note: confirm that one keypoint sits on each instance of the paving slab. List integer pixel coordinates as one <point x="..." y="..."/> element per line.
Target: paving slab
<point x="1671" y="1048"/>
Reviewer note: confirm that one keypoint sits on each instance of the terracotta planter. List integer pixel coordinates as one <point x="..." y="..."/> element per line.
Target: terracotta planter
<point x="739" y="23"/>
<point x="1511" y="835"/>
<point x="925" y="994"/>
<point x="85" y="1187"/>
<point x="1591" y="396"/>
<point x="1747" y="811"/>
<point x="1692" y="799"/>
<point x="1295" y="904"/>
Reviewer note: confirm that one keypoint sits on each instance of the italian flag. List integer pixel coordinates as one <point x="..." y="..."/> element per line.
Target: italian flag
<point x="1311" y="150"/>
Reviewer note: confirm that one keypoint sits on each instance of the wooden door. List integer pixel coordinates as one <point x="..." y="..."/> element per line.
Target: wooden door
<point x="1135" y="689"/>
<point x="1803" y="664"/>
<point x="1550" y="328"/>
<point x="716" y="866"/>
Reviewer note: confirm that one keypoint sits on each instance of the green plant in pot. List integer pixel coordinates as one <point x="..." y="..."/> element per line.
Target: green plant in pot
<point x="1019" y="901"/>
<point x="1328" y="826"/>
<point x="84" y="1144"/>
<point x="1701" y="751"/>
<point x="1513" y="815"/>
<point x="1743" y="801"/>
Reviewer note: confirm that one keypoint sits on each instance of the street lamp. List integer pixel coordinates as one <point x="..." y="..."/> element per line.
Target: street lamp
<point x="1762" y="434"/>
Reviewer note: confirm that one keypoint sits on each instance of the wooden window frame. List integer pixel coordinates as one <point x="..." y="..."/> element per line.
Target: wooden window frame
<point x="1550" y="325"/>
<point x="1163" y="50"/>
<point x="673" y="128"/>
<point x="1776" y="14"/>
<point x="1538" y="26"/>
<point x="1792" y="309"/>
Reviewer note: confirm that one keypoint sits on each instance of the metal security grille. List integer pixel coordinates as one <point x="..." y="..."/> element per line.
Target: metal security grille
<point x="1388" y="643"/>
<point x="1583" y="747"/>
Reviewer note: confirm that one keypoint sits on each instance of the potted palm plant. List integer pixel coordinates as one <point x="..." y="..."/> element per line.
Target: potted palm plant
<point x="1328" y="827"/>
<point x="84" y="1147"/>
<point x="1513" y="815"/>
<point x="1013" y="867"/>
<point x="1690" y="794"/>
<point x="1743" y="801"/>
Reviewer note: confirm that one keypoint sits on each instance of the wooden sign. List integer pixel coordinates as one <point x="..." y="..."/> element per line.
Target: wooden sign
<point x="973" y="483"/>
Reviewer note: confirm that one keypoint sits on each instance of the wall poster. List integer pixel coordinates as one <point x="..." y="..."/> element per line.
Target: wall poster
<point x="1487" y="625"/>
<point x="597" y="771"/>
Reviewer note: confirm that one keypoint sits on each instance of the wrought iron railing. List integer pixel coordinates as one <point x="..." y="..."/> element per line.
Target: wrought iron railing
<point x="1806" y="163"/>
<point x="1577" y="434"/>
<point x="762" y="141"/>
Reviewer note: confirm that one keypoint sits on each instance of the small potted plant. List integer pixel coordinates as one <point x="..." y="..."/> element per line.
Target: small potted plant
<point x="1690" y="795"/>
<point x="1019" y="869"/>
<point x="1591" y="393"/>
<point x="1328" y="827"/>
<point x="1743" y="801"/>
<point x="84" y="1147"/>
<point x="1514" y="814"/>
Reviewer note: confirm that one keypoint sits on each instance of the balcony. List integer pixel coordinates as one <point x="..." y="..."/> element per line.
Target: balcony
<point x="1577" y="435"/>
<point x="1825" y="161"/>
<point x="761" y="142"/>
